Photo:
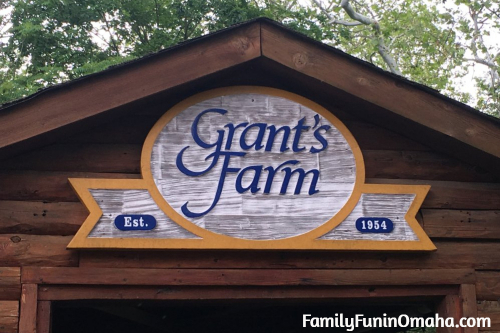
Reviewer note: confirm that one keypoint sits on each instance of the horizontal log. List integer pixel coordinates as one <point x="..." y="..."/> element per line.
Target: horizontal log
<point x="488" y="285"/>
<point x="9" y="315"/>
<point x="9" y="309"/>
<point x="448" y="255"/>
<point x="46" y="186"/>
<point x="10" y="272"/>
<point x="10" y="283"/>
<point x="41" y="218"/>
<point x="9" y="324"/>
<point x="453" y="195"/>
<point x="23" y="250"/>
<point x="58" y="293"/>
<point x="421" y="165"/>
<point x="447" y="223"/>
<point x="125" y="158"/>
<point x="243" y="277"/>
<point x="131" y="129"/>
<point x="490" y="309"/>
<point x="372" y="137"/>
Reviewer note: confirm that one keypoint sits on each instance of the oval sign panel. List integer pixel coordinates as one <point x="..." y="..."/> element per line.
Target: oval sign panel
<point x="252" y="165"/>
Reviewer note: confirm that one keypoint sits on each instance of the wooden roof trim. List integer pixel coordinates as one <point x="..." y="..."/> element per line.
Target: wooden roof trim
<point x="386" y="91"/>
<point x="97" y="94"/>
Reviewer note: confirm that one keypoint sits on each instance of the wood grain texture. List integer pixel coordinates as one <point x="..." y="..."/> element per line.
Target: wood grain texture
<point x="450" y="306"/>
<point x="43" y="316"/>
<point x="422" y="165"/>
<point x="119" y="158"/>
<point x="9" y="316"/>
<point x="467" y="294"/>
<point x="449" y="254"/>
<point x="490" y="309"/>
<point x="10" y="283"/>
<point x="9" y="325"/>
<point x="22" y="250"/>
<point x="128" y="129"/>
<point x="9" y="309"/>
<point x="453" y="195"/>
<point x="46" y="186"/>
<point x="285" y="48"/>
<point x="392" y="206"/>
<point x="100" y="93"/>
<point x="41" y="218"/>
<point x="253" y="216"/>
<point x="447" y="223"/>
<point x="373" y="137"/>
<point x="123" y="202"/>
<point x="244" y="277"/>
<point x="55" y="292"/>
<point x="27" y="318"/>
<point x="488" y="285"/>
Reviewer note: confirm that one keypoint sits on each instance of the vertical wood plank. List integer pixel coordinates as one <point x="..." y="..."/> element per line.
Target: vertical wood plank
<point x="44" y="317"/>
<point x="467" y="294"/>
<point x="450" y="306"/>
<point x="27" y="320"/>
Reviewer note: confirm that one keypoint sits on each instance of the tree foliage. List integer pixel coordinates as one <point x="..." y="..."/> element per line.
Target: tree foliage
<point x="45" y="42"/>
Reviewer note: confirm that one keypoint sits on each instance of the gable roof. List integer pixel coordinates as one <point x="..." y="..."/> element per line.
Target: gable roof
<point x="57" y="109"/>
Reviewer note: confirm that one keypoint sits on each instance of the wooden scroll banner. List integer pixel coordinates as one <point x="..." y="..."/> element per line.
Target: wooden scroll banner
<point x="250" y="168"/>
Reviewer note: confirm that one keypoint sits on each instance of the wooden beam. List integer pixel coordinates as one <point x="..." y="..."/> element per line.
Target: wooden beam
<point x="242" y="277"/>
<point x="449" y="254"/>
<point x="450" y="306"/>
<point x="108" y="90"/>
<point x="10" y="283"/>
<point x="383" y="90"/>
<point x="44" y="317"/>
<point x="467" y="296"/>
<point x="27" y="319"/>
<point x="67" y="292"/>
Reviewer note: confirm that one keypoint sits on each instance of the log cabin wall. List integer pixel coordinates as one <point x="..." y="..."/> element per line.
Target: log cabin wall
<point x="40" y="212"/>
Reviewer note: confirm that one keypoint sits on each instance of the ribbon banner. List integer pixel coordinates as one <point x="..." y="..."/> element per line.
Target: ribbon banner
<point x="250" y="168"/>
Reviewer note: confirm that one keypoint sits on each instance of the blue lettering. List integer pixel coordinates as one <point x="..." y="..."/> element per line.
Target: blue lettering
<point x="220" y="151"/>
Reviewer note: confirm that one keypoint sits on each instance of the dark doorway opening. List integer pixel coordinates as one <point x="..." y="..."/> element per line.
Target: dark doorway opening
<point x="242" y="316"/>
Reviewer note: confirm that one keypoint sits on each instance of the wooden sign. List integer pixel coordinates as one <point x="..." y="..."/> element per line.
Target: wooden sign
<point x="250" y="168"/>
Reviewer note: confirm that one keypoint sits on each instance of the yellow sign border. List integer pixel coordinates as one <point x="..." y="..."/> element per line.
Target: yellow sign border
<point x="211" y="240"/>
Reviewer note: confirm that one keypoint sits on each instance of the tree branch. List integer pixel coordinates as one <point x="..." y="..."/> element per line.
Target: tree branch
<point x="483" y="62"/>
<point x="346" y="23"/>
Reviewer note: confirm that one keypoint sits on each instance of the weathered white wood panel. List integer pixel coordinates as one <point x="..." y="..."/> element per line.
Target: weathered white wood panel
<point x="253" y="216"/>
<point x="122" y="202"/>
<point x="392" y="206"/>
